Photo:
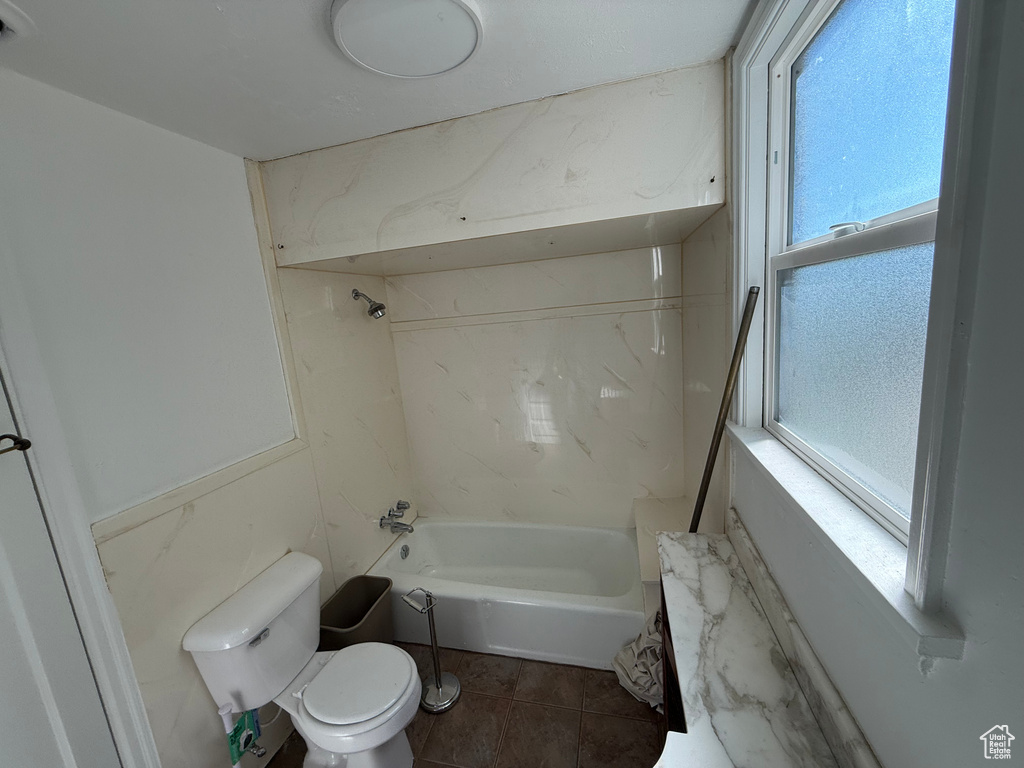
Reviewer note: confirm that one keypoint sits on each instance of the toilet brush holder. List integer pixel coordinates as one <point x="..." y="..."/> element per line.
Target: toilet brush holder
<point x="441" y="691"/>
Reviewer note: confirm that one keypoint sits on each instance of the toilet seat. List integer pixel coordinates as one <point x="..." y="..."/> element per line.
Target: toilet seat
<point x="364" y="734"/>
<point x="359" y="683"/>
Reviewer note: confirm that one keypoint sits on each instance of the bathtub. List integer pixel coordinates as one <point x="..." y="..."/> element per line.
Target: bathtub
<point x="552" y="593"/>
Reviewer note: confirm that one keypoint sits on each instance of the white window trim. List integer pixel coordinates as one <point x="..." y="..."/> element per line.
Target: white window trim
<point x="769" y="30"/>
<point x="909" y="226"/>
<point x="913" y="230"/>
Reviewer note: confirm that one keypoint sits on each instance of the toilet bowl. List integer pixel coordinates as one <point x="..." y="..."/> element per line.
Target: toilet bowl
<point x="351" y="706"/>
<point x="355" y="703"/>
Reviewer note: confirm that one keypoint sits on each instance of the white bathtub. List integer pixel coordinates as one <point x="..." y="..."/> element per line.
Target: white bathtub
<point x="552" y="593"/>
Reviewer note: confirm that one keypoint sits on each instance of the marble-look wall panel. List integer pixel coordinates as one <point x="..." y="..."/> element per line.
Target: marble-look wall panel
<point x="639" y="147"/>
<point x="560" y="419"/>
<point x="707" y="257"/>
<point x="643" y="273"/>
<point x="348" y="381"/>
<point x="167" y="573"/>
<point x="707" y="254"/>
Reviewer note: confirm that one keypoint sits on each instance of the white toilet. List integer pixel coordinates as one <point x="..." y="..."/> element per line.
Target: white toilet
<point x="351" y="706"/>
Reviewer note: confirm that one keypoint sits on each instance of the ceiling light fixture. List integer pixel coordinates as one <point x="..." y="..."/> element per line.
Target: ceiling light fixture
<point x="14" y="21"/>
<point x="407" y="38"/>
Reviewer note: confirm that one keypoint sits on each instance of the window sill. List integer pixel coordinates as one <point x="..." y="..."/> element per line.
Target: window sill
<point x="870" y="555"/>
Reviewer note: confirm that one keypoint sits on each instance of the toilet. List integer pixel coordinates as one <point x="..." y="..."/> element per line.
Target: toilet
<point x="351" y="706"/>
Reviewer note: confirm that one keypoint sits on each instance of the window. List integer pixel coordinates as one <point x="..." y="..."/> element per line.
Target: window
<point x="857" y="110"/>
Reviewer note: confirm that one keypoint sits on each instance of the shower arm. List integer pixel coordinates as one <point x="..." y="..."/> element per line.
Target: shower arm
<point x="376" y="310"/>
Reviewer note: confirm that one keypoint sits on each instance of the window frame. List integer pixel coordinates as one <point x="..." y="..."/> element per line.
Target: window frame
<point x="909" y="226"/>
<point x="771" y="28"/>
<point x="869" y="502"/>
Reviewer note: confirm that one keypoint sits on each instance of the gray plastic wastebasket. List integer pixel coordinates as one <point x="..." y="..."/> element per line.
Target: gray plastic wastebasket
<point x="359" y="612"/>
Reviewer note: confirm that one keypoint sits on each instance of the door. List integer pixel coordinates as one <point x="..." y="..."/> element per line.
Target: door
<point x="50" y="710"/>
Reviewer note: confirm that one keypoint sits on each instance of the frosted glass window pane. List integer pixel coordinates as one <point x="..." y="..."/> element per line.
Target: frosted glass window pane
<point x="850" y="363"/>
<point x="869" y="111"/>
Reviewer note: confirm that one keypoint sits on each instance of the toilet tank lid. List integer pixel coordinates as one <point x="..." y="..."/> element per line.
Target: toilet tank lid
<point x="250" y="610"/>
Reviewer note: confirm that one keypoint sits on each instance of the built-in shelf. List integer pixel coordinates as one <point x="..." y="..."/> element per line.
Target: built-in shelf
<point x="619" y="234"/>
<point x="653" y="516"/>
<point x="625" y="165"/>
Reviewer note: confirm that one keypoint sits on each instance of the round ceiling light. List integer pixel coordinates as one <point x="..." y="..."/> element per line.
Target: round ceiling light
<point x="14" y="21"/>
<point x="407" y="38"/>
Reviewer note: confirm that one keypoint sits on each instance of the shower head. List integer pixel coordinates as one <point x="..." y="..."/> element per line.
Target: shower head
<point x="376" y="310"/>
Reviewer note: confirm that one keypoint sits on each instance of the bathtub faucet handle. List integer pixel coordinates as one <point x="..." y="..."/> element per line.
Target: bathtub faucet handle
<point x="401" y="506"/>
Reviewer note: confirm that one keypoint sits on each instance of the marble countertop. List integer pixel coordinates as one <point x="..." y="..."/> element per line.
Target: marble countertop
<point x="742" y="702"/>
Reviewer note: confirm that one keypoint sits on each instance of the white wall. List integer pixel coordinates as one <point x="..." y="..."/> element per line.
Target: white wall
<point x="135" y="252"/>
<point x="936" y="719"/>
<point x="547" y="391"/>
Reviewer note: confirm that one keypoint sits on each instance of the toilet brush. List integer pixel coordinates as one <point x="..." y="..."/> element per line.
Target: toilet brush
<point x="443" y="691"/>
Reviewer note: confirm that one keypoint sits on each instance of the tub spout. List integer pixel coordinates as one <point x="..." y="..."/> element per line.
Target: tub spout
<point x="390" y="520"/>
<point x="396" y="526"/>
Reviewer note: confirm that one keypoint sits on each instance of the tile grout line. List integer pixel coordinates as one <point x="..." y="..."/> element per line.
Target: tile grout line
<point x="426" y="736"/>
<point x="438" y="762"/>
<point x="583" y="710"/>
<point x="508" y="715"/>
<point x="579" y="738"/>
<point x="433" y="719"/>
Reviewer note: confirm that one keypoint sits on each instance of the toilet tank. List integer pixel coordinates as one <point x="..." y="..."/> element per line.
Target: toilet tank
<point x="253" y="644"/>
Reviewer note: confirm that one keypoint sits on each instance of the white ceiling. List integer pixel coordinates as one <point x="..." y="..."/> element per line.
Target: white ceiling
<point x="264" y="79"/>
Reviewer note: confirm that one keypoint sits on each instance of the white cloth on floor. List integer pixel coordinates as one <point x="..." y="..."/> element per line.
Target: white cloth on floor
<point x="638" y="665"/>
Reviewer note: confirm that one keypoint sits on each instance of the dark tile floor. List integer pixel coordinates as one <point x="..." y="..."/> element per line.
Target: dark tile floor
<point x="515" y="713"/>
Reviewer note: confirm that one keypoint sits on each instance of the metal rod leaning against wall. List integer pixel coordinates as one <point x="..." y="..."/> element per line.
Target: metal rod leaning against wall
<point x="723" y="411"/>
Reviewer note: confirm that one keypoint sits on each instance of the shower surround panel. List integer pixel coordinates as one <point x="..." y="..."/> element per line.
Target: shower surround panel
<point x="345" y="367"/>
<point x="546" y="392"/>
